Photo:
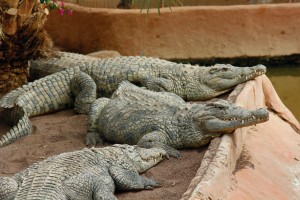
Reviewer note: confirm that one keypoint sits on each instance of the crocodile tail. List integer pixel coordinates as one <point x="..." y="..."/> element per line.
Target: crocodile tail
<point x="10" y="99"/>
<point x="21" y="128"/>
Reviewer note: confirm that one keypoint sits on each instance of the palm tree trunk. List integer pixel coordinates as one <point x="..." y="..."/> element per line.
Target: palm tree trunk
<point x="22" y="37"/>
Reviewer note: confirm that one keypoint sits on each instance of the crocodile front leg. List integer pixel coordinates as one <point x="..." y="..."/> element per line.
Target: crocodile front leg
<point x="93" y="136"/>
<point x="85" y="90"/>
<point x="88" y="186"/>
<point x="158" y="84"/>
<point x="158" y="139"/>
<point x="130" y="180"/>
<point x="8" y="188"/>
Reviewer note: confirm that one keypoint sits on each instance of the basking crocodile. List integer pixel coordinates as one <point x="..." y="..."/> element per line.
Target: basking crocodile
<point x="189" y="82"/>
<point x="135" y="115"/>
<point x="86" y="174"/>
<point x="87" y="78"/>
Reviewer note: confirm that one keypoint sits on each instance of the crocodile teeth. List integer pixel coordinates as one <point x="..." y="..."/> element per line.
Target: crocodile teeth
<point x="243" y="121"/>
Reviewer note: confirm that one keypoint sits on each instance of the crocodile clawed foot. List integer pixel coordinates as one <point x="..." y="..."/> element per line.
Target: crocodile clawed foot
<point x="151" y="184"/>
<point x="174" y="153"/>
<point x="93" y="138"/>
<point x="166" y="156"/>
<point x="171" y="151"/>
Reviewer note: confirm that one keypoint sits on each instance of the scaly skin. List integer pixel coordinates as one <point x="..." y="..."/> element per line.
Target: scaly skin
<point x="135" y="115"/>
<point x="85" y="174"/>
<point x="52" y="93"/>
<point x="189" y="82"/>
<point x="87" y="78"/>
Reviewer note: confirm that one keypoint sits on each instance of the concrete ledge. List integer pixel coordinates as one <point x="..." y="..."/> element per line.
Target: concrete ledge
<point x="223" y="169"/>
<point x="202" y="32"/>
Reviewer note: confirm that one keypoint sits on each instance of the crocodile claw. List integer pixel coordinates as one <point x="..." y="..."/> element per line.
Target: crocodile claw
<point x="93" y="138"/>
<point x="171" y="152"/>
<point x="152" y="184"/>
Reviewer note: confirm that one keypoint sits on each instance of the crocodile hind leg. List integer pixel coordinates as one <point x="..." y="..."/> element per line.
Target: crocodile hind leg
<point x="21" y="125"/>
<point x="85" y="90"/>
<point x="93" y="136"/>
<point x="88" y="186"/>
<point x="158" y="139"/>
<point x="8" y="188"/>
<point x="130" y="180"/>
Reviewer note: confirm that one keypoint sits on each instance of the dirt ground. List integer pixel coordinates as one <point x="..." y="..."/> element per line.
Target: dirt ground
<point x="65" y="131"/>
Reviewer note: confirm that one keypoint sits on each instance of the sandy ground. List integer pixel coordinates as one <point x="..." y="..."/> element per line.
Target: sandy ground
<point x="65" y="131"/>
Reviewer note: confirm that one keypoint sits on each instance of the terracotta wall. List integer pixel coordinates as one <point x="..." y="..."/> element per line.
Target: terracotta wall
<point x="153" y="4"/>
<point x="186" y="33"/>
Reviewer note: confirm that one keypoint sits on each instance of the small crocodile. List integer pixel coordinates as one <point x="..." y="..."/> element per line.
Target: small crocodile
<point x="85" y="78"/>
<point x="84" y="174"/>
<point x="135" y="115"/>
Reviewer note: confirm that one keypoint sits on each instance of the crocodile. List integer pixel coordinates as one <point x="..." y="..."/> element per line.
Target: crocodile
<point x="70" y="80"/>
<point x="188" y="81"/>
<point x="135" y="115"/>
<point x="93" y="173"/>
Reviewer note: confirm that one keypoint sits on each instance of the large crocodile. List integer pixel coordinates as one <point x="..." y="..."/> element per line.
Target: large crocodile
<point x="86" y="174"/>
<point x="189" y="82"/>
<point x="135" y="115"/>
<point x="86" y="78"/>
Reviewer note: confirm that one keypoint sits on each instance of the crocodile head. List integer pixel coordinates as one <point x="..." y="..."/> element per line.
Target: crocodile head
<point x="141" y="158"/>
<point x="224" y="117"/>
<point x="209" y="82"/>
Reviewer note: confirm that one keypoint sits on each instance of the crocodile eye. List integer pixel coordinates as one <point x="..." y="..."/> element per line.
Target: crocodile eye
<point x="216" y="105"/>
<point x="214" y="70"/>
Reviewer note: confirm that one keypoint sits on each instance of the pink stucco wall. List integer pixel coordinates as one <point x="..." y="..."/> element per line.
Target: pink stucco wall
<point x="202" y="32"/>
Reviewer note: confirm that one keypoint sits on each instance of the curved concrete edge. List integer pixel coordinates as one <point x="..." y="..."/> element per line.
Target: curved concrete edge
<point x="213" y="179"/>
<point x="272" y="101"/>
<point x="186" y="33"/>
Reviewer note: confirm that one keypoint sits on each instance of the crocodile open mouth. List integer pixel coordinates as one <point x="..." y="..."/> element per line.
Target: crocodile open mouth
<point x="228" y="122"/>
<point x="155" y="159"/>
<point x="256" y="72"/>
<point x="156" y="156"/>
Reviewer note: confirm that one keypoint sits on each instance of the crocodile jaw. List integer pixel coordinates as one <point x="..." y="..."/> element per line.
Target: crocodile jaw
<point x="227" y="123"/>
<point x="149" y="158"/>
<point x="224" y="77"/>
<point x="143" y="159"/>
